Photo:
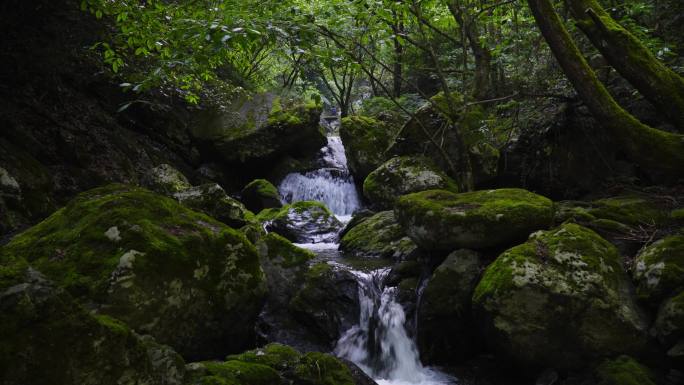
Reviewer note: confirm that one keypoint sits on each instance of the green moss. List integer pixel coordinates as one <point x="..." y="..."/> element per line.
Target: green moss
<point x="630" y="210"/>
<point x="279" y="247"/>
<point x="274" y="355"/>
<point x="402" y="175"/>
<point x="366" y="141"/>
<point x="444" y="107"/>
<point x="323" y="369"/>
<point x="263" y="188"/>
<point x="624" y="370"/>
<point x="112" y="324"/>
<point x="659" y="268"/>
<point x="438" y="219"/>
<point x="377" y="236"/>
<point x="243" y="373"/>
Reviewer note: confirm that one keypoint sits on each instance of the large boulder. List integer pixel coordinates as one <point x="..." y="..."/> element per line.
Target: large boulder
<point x="327" y="302"/>
<point x="211" y="199"/>
<point x="445" y="326"/>
<point x="164" y="179"/>
<point x="274" y="364"/>
<point x="403" y="175"/>
<point x="365" y="141"/>
<point x="624" y="370"/>
<point x="260" y="194"/>
<point x="181" y="276"/>
<point x="560" y="300"/>
<point x="260" y="130"/>
<point x="49" y="339"/>
<point x="659" y="269"/>
<point x="669" y="324"/>
<point x="302" y="222"/>
<point x="378" y="236"/>
<point x="442" y="220"/>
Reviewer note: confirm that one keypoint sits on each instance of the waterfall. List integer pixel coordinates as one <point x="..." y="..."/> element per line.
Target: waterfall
<point x="380" y="344"/>
<point x="333" y="184"/>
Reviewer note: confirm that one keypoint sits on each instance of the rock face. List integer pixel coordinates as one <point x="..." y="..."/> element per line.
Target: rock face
<point x="269" y="131"/>
<point x="260" y="194"/>
<point x="186" y="279"/>
<point x="442" y="220"/>
<point x="446" y="332"/>
<point x="378" y="236"/>
<point x="659" y="269"/>
<point x="403" y="175"/>
<point x="327" y="302"/>
<point x="273" y="364"/>
<point x="559" y="300"/>
<point x="48" y="339"/>
<point x="212" y="200"/>
<point x="365" y="140"/>
<point x="164" y="179"/>
<point x="302" y="222"/>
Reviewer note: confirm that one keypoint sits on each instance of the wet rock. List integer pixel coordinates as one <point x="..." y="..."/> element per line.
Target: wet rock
<point x="357" y="217"/>
<point x="403" y="175"/>
<point x="327" y="302"/>
<point x="560" y="300"/>
<point x="366" y="140"/>
<point x="302" y="222"/>
<point x="624" y="370"/>
<point x="442" y="220"/>
<point x="48" y="338"/>
<point x="166" y="180"/>
<point x="212" y="200"/>
<point x="378" y="236"/>
<point x="445" y="327"/>
<point x="260" y="194"/>
<point x="659" y="269"/>
<point x="274" y="364"/>
<point x="178" y="275"/>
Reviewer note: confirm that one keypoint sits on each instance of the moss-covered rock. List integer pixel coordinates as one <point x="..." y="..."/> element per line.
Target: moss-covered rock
<point x="181" y="276"/>
<point x="273" y="364"/>
<point x="49" y="339"/>
<point x="559" y="300"/>
<point x="445" y="327"/>
<point x="365" y="140"/>
<point x="403" y="175"/>
<point x="624" y="370"/>
<point x="659" y="269"/>
<point x="303" y="222"/>
<point x="669" y="325"/>
<point x="260" y="194"/>
<point x="378" y="236"/>
<point x="212" y="200"/>
<point x="327" y="302"/>
<point x="164" y="179"/>
<point x="442" y="220"/>
<point x="260" y="130"/>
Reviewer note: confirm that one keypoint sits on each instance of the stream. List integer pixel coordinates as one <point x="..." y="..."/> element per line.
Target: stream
<point x="379" y="344"/>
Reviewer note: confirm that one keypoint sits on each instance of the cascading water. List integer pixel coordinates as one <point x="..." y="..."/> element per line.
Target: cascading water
<point x="380" y="344"/>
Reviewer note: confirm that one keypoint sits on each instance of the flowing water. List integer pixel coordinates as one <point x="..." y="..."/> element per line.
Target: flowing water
<point x="379" y="344"/>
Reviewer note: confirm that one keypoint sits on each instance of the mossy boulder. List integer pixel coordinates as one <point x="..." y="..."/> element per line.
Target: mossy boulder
<point x="327" y="302"/>
<point x="624" y="370"/>
<point x="47" y="338"/>
<point x="165" y="270"/>
<point x="212" y="200"/>
<point x="365" y="141"/>
<point x="260" y="130"/>
<point x="273" y="364"/>
<point x="164" y="179"/>
<point x="302" y="222"/>
<point x="442" y="220"/>
<point x="669" y="325"/>
<point x="446" y="332"/>
<point x="659" y="269"/>
<point x="260" y="194"/>
<point x="378" y="236"/>
<point x="403" y="175"/>
<point x="559" y="300"/>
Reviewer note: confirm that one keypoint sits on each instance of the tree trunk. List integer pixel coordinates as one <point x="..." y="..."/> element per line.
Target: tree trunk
<point x="659" y="153"/>
<point x="635" y="62"/>
<point x="397" y="29"/>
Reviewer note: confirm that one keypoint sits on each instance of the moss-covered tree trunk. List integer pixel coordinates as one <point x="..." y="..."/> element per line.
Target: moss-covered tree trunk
<point x="659" y="153"/>
<point x="635" y="62"/>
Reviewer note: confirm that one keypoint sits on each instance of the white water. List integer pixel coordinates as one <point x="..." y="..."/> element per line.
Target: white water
<point x="380" y="344"/>
<point x="332" y="185"/>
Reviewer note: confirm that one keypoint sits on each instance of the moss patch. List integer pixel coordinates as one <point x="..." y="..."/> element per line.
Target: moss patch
<point x="366" y="140"/>
<point x="624" y="370"/>
<point x="378" y="236"/>
<point x="659" y="269"/>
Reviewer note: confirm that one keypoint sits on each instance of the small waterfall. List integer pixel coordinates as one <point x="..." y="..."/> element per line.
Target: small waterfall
<point x="333" y="184"/>
<point x="380" y="344"/>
